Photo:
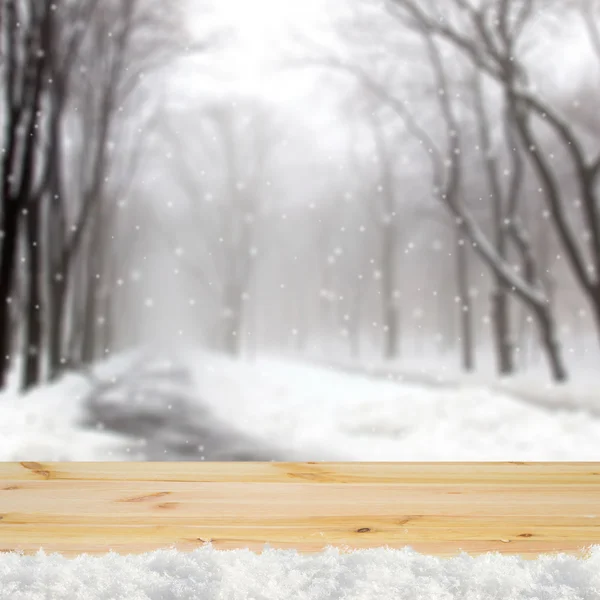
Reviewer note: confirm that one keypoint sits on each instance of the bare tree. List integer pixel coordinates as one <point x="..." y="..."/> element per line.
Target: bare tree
<point x="27" y="32"/>
<point x="490" y="34"/>
<point x="124" y="42"/>
<point x="500" y="217"/>
<point x="68" y="71"/>
<point x="447" y="168"/>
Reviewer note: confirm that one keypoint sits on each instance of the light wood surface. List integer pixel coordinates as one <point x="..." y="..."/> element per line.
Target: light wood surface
<point x="436" y="508"/>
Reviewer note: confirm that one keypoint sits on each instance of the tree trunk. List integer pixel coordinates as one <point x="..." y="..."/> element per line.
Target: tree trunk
<point x="33" y="339"/>
<point x="524" y="341"/>
<point x="391" y="348"/>
<point x="596" y="308"/>
<point x="354" y="326"/>
<point x="56" y="359"/>
<point x="22" y="85"/>
<point x="446" y="323"/>
<point x="500" y="319"/>
<point x="550" y="344"/>
<point x="7" y="276"/>
<point x="92" y="257"/>
<point x="465" y="305"/>
<point x="325" y="307"/>
<point x="108" y="338"/>
<point x="392" y="327"/>
<point x="500" y="297"/>
<point x="88" y="350"/>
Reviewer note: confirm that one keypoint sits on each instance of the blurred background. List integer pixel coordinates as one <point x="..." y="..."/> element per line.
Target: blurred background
<point x="300" y="230"/>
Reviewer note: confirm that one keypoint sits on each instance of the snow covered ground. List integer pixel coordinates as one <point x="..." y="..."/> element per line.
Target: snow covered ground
<point x="199" y="406"/>
<point x="136" y="407"/>
<point x="533" y="385"/>
<point x="378" y="574"/>
<point x="327" y="414"/>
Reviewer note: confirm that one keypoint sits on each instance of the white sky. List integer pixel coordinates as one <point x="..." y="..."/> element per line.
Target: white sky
<point x="258" y="34"/>
<point x="258" y="38"/>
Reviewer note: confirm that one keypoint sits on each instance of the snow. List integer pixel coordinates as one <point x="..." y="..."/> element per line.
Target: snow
<point x="285" y="410"/>
<point x="42" y="425"/>
<point x="325" y="414"/>
<point x="531" y="385"/>
<point x="376" y="574"/>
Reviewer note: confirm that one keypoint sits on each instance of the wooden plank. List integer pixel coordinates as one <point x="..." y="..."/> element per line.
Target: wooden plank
<point x="315" y="472"/>
<point x="436" y="508"/>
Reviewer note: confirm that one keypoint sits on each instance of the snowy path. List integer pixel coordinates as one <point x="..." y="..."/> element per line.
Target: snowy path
<point x="156" y="407"/>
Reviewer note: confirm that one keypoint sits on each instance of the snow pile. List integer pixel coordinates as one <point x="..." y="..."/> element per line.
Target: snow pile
<point x="323" y="414"/>
<point x="380" y="574"/>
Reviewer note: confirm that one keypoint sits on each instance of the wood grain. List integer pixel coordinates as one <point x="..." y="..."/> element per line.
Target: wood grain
<point x="436" y="508"/>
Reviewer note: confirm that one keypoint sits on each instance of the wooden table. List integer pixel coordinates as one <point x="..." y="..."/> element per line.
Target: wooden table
<point x="437" y="508"/>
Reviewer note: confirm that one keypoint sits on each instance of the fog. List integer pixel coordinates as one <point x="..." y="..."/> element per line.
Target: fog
<point x="279" y="160"/>
<point x="391" y="185"/>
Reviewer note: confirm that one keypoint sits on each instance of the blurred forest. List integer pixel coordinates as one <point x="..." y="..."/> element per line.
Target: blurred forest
<point x="394" y="180"/>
